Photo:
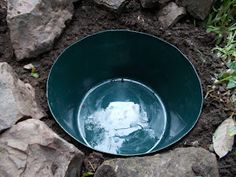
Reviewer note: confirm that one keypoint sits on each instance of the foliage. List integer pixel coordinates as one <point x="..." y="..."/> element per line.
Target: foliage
<point x="34" y="72"/>
<point x="229" y="75"/>
<point x="87" y="174"/>
<point x="222" y="22"/>
<point x="228" y="51"/>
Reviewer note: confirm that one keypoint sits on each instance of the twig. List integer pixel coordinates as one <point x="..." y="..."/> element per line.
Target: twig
<point x="91" y="166"/>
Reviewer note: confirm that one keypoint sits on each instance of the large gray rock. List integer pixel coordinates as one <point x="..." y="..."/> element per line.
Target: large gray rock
<point x="181" y="162"/>
<point x="105" y="171"/>
<point x="31" y="149"/>
<point x="35" y="24"/>
<point x="112" y="4"/>
<point x="170" y="14"/>
<point x="17" y="99"/>
<point x="197" y="8"/>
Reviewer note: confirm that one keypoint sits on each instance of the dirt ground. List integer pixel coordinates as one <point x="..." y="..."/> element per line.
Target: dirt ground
<point x="193" y="41"/>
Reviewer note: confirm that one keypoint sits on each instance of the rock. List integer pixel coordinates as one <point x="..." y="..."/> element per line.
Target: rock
<point x="170" y="14"/>
<point x="29" y="66"/>
<point x="198" y="9"/>
<point x="112" y="4"/>
<point x="181" y="162"/>
<point x="31" y="149"/>
<point x="17" y="100"/>
<point x="34" y="25"/>
<point x="105" y="171"/>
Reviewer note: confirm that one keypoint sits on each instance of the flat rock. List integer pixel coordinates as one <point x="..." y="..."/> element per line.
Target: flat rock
<point x="112" y="4"/>
<point x="181" y="162"/>
<point x="198" y="9"/>
<point x="170" y="14"/>
<point x="31" y="149"/>
<point x="17" y="99"/>
<point x="34" y="25"/>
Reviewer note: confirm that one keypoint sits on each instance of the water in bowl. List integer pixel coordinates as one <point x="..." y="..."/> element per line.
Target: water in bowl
<point x="122" y="116"/>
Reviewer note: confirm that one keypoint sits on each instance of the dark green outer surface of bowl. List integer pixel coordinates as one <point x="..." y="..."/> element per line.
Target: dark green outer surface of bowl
<point x="126" y="54"/>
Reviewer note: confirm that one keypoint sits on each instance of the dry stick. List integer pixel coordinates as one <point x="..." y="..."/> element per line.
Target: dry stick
<point x="91" y="166"/>
<point x="207" y="94"/>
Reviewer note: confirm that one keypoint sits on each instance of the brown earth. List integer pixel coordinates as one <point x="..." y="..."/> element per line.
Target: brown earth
<point x="192" y="40"/>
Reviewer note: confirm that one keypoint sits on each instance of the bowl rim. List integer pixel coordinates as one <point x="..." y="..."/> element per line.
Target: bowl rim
<point x="137" y="32"/>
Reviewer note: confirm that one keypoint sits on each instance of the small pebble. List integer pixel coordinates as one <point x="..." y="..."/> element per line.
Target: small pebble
<point x="29" y="66"/>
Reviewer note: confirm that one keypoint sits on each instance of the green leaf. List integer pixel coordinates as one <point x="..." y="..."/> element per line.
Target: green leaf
<point x="231" y="84"/>
<point x="224" y="75"/>
<point x="35" y="75"/>
<point x="33" y="70"/>
<point x="231" y="65"/>
<point x="87" y="174"/>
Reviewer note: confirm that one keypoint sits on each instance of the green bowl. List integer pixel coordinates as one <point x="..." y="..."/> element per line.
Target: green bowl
<point x="125" y="93"/>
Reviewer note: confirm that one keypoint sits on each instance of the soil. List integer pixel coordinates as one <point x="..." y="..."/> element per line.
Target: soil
<point x="192" y="40"/>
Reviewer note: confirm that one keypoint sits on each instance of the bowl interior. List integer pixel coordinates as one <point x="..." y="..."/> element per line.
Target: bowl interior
<point x="143" y="87"/>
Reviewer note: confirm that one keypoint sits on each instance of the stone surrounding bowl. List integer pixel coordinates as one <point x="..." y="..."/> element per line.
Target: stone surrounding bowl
<point x="124" y="93"/>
